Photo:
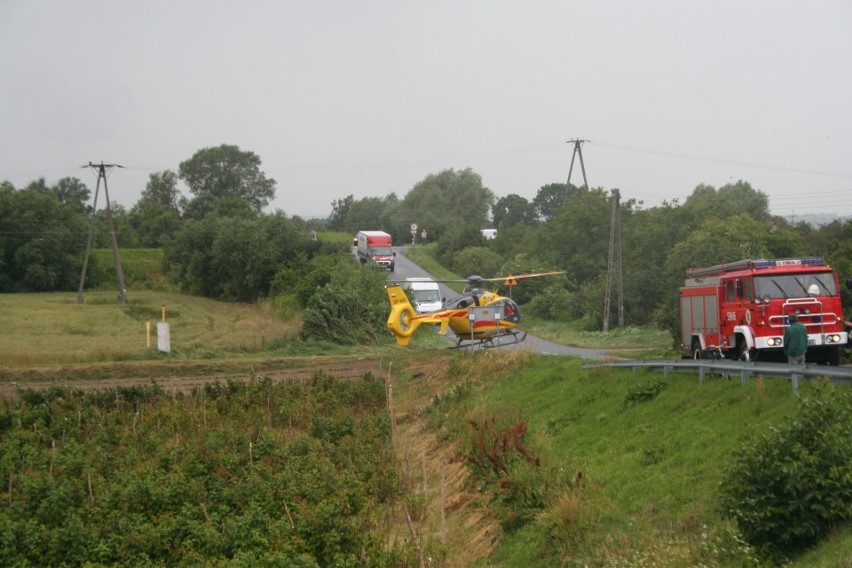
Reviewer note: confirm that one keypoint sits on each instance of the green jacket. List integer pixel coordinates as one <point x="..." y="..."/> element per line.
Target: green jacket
<point x="795" y="340"/>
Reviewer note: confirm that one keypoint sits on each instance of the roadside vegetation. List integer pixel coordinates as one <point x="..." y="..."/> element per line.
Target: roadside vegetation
<point x="579" y="466"/>
<point x="242" y="473"/>
<point x="449" y="458"/>
<point x="482" y="458"/>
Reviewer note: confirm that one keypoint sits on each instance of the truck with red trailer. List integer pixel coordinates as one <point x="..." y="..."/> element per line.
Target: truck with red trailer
<point x="375" y="247"/>
<point x="739" y="310"/>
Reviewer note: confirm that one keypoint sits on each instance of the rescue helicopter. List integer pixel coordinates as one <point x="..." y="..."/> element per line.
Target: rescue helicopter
<point x="476" y="316"/>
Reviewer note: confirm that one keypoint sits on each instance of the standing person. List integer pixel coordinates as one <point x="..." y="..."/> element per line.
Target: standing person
<point x="795" y="341"/>
<point x="424" y="237"/>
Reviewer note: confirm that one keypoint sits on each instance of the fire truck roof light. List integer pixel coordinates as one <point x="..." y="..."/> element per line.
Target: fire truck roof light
<point x="753" y="265"/>
<point x="816" y="261"/>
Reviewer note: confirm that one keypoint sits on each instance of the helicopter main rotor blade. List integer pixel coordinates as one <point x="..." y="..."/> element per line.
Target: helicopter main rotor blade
<point x="520" y="276"/>
<point x="472" y="279"/>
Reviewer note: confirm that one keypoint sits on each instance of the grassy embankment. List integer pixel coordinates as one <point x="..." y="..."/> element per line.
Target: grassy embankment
<point x="629" y="463"/>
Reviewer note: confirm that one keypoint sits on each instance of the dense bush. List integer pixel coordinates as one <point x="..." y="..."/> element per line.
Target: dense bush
<point x="257" y="473"/>
<point x="352" y="308"/>
<point x="236" y="258"/>
<point x="553" y="303"/>
<point x="476" y="260"/>
<point x="788" y="488"/>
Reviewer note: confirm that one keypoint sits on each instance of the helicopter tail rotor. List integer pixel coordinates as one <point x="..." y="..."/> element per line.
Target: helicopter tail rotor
<point x="402" y="321"/>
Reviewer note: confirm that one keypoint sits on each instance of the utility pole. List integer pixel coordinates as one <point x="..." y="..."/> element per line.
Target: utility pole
<point x="102" y="170"/>
<point x="578" y="151"/>
<point x="613" y="265"/>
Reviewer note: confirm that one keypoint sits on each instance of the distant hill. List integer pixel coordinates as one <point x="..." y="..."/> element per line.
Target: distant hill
<point x="816" y="219"/>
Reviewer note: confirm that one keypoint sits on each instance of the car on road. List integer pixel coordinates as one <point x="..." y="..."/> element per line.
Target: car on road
<point x="427" y="294"/>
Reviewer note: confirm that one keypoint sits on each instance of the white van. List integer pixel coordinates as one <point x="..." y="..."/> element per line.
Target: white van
<point x="427" y="295"/>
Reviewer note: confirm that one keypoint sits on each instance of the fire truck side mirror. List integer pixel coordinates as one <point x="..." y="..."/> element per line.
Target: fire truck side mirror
<point x="849" y="283"/>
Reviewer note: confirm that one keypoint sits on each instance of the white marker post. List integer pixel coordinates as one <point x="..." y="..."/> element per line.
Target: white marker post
<point x="163" y="334"/>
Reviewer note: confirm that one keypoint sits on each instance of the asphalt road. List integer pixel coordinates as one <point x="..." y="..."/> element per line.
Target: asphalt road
<point x="405" y="268"/>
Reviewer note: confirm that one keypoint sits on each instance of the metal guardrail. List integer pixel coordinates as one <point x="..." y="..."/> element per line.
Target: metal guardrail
<point x="794" y="373"/>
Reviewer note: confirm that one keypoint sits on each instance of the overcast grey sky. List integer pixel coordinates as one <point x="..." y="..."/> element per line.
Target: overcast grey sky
<point x="369" y="97"/>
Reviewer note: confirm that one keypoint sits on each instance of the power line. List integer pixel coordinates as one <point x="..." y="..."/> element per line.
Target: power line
<point x="724" y="161"/>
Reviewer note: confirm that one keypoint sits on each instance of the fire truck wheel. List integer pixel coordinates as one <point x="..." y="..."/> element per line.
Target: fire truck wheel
<point x="696" y="350"/>
<point x="832" y="356"/>
<point x="745" y="354"/>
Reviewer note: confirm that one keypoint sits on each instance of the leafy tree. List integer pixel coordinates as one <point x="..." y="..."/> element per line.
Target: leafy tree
<point x="156" y="217"/>
<point x="513" y="210"/>
<point x="188" y="258"/>
<point x="553" y="303"/>
<point x="443" y="202"/>
<point x="339" y="211"/>
<point x="476" y="260"/>
<point x="368" y="213"/>
<point x="551" y="198"/>
<point x="577" y="239"/>
<point x="727" y="240"/>
<point x="41" y="239"/>
<point x="235" y="258"/>
<point x="225" y="171"/>
<point x="529" y="288"/>
<point x="729" y="200"/>
<point x="648" y="237"/>
<point x="73" y="192"/>
<point x="162" y="190"/>
<point x="124" y="229"/>
<point x="154" y="224"/>
<point x="457" y="239"/>
<point x="302" y="277"/>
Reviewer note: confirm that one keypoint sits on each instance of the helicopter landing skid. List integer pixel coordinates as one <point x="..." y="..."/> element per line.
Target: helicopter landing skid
<point x="505" y="338"/>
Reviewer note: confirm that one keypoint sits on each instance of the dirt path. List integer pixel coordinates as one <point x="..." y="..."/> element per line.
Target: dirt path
<point x="181" y="377"/>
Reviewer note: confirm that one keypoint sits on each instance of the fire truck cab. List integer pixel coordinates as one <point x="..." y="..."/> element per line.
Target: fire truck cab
<point x="740" y="310"/>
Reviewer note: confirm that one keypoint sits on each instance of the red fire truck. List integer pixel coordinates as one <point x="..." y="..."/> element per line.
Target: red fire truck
<point x="740" y="310"/>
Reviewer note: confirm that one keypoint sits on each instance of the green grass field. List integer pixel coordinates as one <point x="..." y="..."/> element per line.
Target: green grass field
<point x="50" y="329"/>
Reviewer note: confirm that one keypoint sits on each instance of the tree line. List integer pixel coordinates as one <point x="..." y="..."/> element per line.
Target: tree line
<point x="566" y="227"/>
<point x="219" y="242"/>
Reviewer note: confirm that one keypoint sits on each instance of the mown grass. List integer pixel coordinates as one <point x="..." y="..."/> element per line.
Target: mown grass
<point x="45" y="329"/>
<point x="649" y="450"/>
<point x="335" y="237"/>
